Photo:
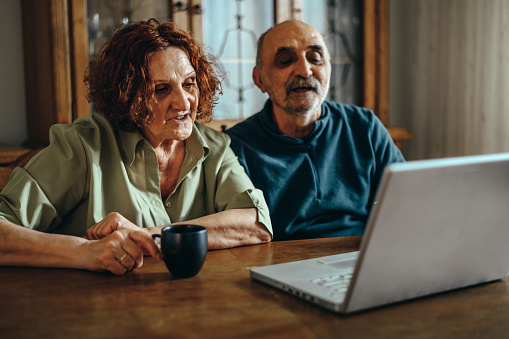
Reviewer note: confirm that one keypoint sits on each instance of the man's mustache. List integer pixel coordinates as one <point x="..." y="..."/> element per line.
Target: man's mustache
<point x="301" y="82"/>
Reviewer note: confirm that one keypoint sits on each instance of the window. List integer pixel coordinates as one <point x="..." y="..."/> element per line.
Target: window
<point x="232" y="27"/>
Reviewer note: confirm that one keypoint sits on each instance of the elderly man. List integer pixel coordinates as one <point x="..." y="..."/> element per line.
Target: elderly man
<point x="318" y="163"/>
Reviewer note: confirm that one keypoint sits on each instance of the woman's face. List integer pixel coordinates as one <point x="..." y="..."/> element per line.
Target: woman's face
<point x="176" y="92"/>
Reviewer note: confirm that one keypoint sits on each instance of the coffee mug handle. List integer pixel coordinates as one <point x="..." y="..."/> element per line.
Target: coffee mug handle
<point x="154" y="236"/>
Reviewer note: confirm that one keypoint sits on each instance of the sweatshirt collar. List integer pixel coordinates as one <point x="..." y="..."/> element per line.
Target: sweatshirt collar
<point x="271" y="127"/>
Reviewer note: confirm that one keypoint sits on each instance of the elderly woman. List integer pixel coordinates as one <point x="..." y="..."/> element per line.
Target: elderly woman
<point x="106" y="182"/>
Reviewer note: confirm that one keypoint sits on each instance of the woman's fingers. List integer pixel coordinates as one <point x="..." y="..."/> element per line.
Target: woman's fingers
<point x="112" y="222"/>
<point x="133" y="252"/>
<point x="121" y="251"/>
<point x="144" y="240"/>
<point x="121" y="244"/>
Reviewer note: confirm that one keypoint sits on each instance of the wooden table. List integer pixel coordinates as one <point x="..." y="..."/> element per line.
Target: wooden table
<point x="223" y="302"/>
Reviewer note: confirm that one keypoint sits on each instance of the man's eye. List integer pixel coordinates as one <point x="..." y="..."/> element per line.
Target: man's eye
<point x="315" y="57"/>
<point x="283" y="59"/>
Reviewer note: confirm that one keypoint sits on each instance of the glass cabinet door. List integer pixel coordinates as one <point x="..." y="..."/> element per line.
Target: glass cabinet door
<point x="105" y="16"/>
<point x="340" y="22"/>
<point x="231" y="29"/>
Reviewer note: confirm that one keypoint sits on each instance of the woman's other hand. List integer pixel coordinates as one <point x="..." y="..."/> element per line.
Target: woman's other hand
<point x="113" y="221"/>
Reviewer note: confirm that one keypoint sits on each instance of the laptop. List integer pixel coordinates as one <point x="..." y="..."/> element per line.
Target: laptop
<point x="437" y="225"/>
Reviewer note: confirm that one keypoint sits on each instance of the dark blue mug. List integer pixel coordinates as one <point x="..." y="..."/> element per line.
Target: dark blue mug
<point x="184" y="249"/>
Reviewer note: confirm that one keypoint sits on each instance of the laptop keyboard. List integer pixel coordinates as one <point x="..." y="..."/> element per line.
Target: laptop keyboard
<point x="337" y="282"/>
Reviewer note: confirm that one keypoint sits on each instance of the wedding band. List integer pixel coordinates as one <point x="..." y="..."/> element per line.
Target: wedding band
<point x="123" y="257"/>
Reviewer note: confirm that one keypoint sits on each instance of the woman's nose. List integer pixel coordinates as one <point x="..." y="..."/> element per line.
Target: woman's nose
<point x="181" y="100"/>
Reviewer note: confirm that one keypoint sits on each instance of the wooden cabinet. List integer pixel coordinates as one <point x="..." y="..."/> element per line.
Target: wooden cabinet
<point x="376" y="65"/>
<point x="56" y="57"/>
<point x="55" y="49"/>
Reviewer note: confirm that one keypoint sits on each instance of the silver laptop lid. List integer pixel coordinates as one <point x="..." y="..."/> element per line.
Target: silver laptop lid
<point x="437" y="225"/>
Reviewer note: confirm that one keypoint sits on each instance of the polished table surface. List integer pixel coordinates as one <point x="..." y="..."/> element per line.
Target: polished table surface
<point x="223" y="302"/>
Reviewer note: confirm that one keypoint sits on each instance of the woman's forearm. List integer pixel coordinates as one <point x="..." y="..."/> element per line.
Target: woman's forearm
<point x="20" y="246"/>
<point x="230" y="228"/>
<point x="119" y="252"/>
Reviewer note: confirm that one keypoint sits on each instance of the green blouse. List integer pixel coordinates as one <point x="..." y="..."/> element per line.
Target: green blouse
<point x="90" y="170"/>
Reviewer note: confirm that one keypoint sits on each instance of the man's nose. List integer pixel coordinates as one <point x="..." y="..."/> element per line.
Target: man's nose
<point x="303" y="68"/>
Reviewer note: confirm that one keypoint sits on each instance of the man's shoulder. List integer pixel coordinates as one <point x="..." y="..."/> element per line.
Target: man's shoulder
<point x="348" y="112"/>
<point x="248" y="126"/>
<point x="357" y="118"/>
<point x="248" y="133"/>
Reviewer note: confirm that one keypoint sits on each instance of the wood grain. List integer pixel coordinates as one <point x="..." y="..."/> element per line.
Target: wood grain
<point x="223" y="302"/>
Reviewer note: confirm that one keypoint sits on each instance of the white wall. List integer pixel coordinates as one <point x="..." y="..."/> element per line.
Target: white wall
<point x="449" y="75"/>
<point x="12" y="79"/>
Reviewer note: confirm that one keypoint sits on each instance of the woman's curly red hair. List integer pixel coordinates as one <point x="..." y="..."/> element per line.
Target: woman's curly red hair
<point x="118" y="81"/>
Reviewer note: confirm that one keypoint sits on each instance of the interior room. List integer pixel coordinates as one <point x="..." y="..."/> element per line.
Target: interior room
<point x="434" y="72"/>
<point x="445" y="83"/>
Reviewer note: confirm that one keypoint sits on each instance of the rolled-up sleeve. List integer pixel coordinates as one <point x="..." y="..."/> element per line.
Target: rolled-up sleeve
<point x="235" y="190"/>
<point x="38" y="195"/>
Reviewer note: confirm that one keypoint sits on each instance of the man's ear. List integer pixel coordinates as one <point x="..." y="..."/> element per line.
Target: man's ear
<point x="257" y="78"/>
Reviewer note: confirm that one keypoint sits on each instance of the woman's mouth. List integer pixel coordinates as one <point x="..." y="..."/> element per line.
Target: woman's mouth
<point x="180" y="117"/>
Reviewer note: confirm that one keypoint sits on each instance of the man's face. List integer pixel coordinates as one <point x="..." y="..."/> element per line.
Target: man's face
<point x="295" y="68"/>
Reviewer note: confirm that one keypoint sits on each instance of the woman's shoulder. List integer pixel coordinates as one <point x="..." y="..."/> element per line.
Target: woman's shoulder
<point x="93" y="121"/>
<point x="94" y="124"/>
<point x="92" y="130"/>
<point x="212" y="137"/>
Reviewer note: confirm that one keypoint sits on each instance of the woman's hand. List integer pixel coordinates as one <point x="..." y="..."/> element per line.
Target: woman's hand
<point x="119" y="252"/>
<point x="113" y="221"/>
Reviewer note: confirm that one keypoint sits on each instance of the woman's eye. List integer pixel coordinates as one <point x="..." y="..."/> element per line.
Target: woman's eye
<point x="161" y="89"/>
<point x="190" y="84"/>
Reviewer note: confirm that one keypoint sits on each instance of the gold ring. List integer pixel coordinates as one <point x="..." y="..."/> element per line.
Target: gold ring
<point x="123" y="257"/>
